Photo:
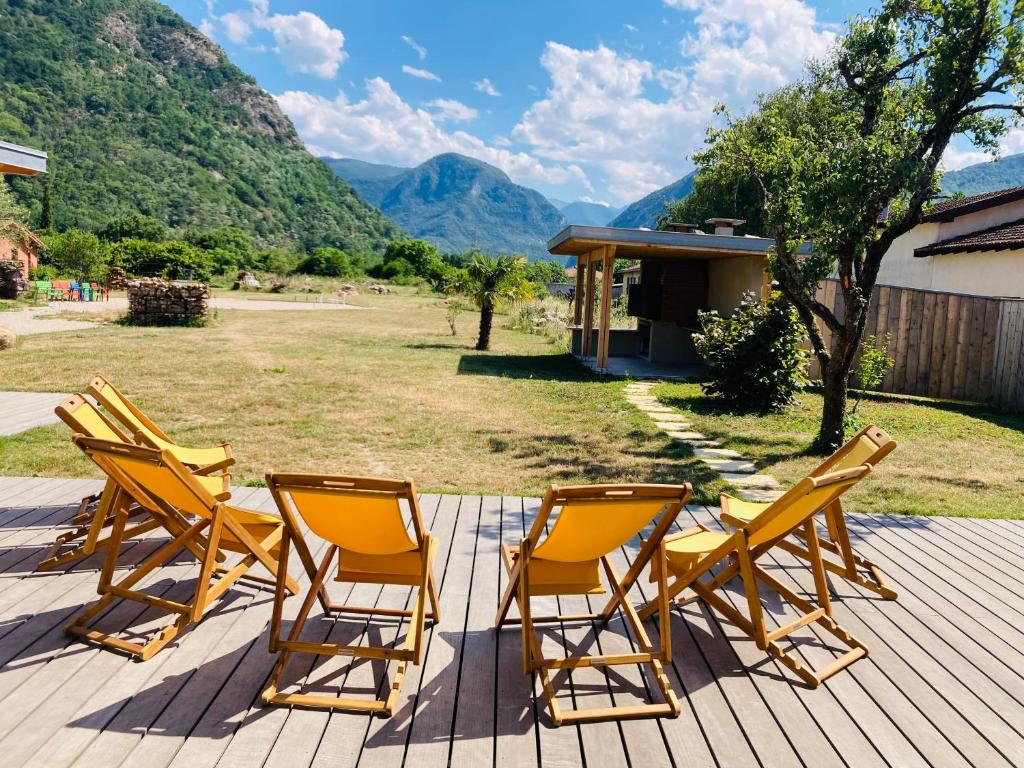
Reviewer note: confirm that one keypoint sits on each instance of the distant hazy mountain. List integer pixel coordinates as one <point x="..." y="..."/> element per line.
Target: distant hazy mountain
<point x="559" y="204"/>
<point x="986" y="177"/>
<point x="371" y="180"/>
<point x="645" y="211"/>
<point x="458" y="203"/>
<point x="594" y="214"/>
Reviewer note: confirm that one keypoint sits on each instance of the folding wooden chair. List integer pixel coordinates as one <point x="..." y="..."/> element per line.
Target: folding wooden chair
<point x="96" y="512"/>
<point x="361" y="520"/>
<point x="197" y="522"/>
<point x="145" y="432"/>
<point x="869" y="446"/>
<point x="593" y="521"/>
<point x="693" y="553"/>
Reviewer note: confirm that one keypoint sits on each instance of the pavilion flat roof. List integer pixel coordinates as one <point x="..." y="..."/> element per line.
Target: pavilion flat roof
<point x="23" y="161"/>
<point x="576" y="240"/>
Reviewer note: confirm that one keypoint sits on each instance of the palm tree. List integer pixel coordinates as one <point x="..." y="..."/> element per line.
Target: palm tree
<point x="492" y="282"/>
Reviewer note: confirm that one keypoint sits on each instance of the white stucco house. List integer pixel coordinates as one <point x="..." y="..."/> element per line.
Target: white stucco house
<point x="972" y="245"/>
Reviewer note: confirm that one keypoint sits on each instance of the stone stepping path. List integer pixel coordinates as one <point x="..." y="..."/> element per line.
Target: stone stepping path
<point x="730" y="465"/>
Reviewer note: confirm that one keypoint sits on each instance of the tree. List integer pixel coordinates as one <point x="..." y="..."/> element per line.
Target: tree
<point x="491" y="282"/>
<point x="229" y="247"/>
<point x="849" y="159"/>
<point x="11" y="213"/>
<point x="75" y="254"/>
<point x="329" y="262"/>
<point x="133" y="226"/>
<point x="423" y="257"/>
<point x="718" y="192"/>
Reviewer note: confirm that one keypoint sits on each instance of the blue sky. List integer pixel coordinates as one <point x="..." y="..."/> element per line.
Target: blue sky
<point x="595" y="100"/>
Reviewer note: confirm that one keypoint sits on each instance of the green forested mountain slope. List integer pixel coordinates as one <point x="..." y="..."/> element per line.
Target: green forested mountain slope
<point x="458" y="203"/>
<point x="645" y="211"/>
<point x="141" y="112"/>
<point x="985" y="177"/>
<point x="371" y="180"/>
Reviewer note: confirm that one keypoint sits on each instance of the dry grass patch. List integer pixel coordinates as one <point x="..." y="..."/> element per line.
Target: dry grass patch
<point x="382" y="391"/>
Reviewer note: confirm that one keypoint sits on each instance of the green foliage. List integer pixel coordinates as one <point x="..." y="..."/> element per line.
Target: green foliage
<point x="75" y="255"/>
<point x="175" y="260"/>
<point x="544" y="272"/>
<point x="330" y="262"/>
<point x="280" y="261"/>
<point x="874" y="364"/>
<point x="44" y="272"/>
<point x="862" y="135"/>
<point x="133" y="226"/>
<point x="491" y="283"/>
<point x="11" y="212"/>
<point x="141" y="107"/>
<point x="754" y="359"/>
<point x="423" y="258"/>
<point x="984" y="177"/>
<point x="230" y="248"/>
<point x="719" y="192"/>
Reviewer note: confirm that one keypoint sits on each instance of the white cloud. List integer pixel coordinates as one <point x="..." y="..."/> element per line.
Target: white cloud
<point x="422" y="74"/>
<point x="305" y="42"/>
<point x="450" y="109"/>
<point x="486" y="86"/>
<point x="420" y="50"/>
<point x="630" y="27"/>
<point x="384" y="128"/>
<point x="959" y="155"/>
<point x="598" y="108"/>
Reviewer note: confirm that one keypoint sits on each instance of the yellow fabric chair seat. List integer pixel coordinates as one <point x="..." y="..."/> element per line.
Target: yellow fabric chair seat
<point x="554" y="577"/>
<point x="214" y="485"/>
<point x="196" y="457"/>
<point x="259" y="525"/>
<point x="683" y="552"/>
<point x="745" y="510"/>
<point x="408" y="564"/>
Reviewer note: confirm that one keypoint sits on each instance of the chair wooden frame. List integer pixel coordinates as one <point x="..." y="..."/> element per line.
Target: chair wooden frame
<point x="97" y="512"/>
<point x="517" y="561"/>
<point x="739" y="557"/>
<point x="851" y="566"/>
<point x="411" y="651"/>
<point x="132" y="417"/>
<point x="217" y="530"/>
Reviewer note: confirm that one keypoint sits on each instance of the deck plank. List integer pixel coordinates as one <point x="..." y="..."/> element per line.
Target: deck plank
<point x="943" y="685"/>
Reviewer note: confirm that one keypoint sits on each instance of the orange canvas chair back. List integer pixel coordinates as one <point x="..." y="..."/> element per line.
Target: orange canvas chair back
<point x="111" y="398"/>
<point x="358" y="514"/>
<point x="869" y="446"/>
<point x="799" y="504"/>
<point x="150" y="476"/>
<point x="85" y="419"/>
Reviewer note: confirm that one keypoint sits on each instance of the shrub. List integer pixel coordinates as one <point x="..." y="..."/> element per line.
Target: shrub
<point x="175" y="260"/>
<point x="76" y="254"/>
<point x="754" y="359"/>
<point x="133" y="226"/>
<point x="44" y="272"/>
<point x="328" y="262"/>
<point x="229" y="247"/>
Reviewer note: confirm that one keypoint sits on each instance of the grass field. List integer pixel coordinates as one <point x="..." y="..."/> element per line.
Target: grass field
<point x="385" y="391"/>
<point x="952" y="459"/>
<point x="388" y="391"/>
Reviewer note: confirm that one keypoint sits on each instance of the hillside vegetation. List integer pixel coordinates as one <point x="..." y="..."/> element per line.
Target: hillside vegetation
<point x="142" y="113"/>
<point x="459" y="203"/>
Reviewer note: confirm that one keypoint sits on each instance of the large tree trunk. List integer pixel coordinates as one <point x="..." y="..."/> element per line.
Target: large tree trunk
<point x="835" y="385"/>
<point x="483" y="341"/>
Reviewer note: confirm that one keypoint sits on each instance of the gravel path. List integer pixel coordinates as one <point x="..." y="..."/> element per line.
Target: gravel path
<point x="34" y="320"/>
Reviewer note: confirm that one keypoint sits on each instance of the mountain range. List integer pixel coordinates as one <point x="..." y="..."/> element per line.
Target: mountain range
<point x="457" y="203"/>
<point x="985" y="177"/>
<point x="140" y="112"/>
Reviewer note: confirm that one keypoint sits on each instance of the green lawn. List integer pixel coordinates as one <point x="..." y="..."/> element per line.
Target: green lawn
<point x="952" y="459"/>
<point x="385" y="390"/>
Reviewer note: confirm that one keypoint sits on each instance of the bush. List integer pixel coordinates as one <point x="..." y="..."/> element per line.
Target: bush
<point x="328" y="262"/>
<point x="174" y="260"/>
<point x="133" y="226"/>
<point x="229" y="247"/>
<point x="75" y="254"/>
<point x="277" y="260"/>
<point x="44" y="272"/>
<point x="754" y="357"/>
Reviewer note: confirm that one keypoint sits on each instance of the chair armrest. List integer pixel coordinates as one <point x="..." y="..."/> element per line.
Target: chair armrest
<point x="215" y="467"/>
<point x="699" y="528"/>
<point x="734" y="522"/>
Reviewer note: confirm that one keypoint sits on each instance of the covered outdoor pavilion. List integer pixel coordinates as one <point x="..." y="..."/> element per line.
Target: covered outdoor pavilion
<point x="681" y="272"/>
<point x="21" y="161"/>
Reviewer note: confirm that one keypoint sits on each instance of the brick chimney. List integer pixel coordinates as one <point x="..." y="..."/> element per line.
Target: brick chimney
<point x="725" y="226"/>
<point x="678" y="226"/>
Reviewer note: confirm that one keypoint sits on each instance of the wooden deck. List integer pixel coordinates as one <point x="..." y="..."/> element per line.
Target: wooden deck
<point x="23" y="410"/>
<point x="944" y="683"/>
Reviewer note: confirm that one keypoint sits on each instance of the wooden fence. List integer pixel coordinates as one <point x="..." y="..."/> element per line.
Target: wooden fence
<point x="946" y="345"/>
